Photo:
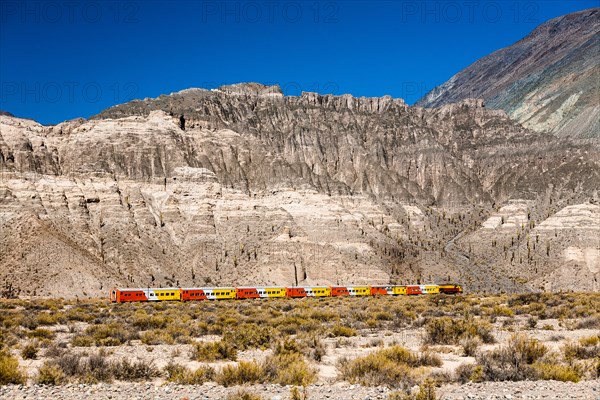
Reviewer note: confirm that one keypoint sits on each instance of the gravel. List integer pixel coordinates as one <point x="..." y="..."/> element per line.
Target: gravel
<point x="588" y="390"/>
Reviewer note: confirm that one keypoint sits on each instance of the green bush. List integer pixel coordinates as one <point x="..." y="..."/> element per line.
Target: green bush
<point x="393" y="367"/>
<point x="50" y="374"/>
<point x="126" y="370"/>
<point x="29" y="352"/>
<point x="113" y="334"/>
<point x="248" y="336"/>
<point x="243" y="395"/>
<point x="585" y="348"/>
<point x="157" y="336"/>
<point x="556" y="372"/>
<point x="513" y="361"/>
<point x="211" y="351"/>
<point x="182" y="375"/>
<point x="446" y="330"/>
<point x="343" y="331"/>
<point x="10" y="371"/>
<point x="242" y="373"/>
<point x="82" y="341"/>
<point x="290" y="369"/>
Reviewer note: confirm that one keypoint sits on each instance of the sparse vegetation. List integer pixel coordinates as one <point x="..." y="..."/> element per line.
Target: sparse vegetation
<point x="74" y="341"/>
<point x="394" y="367"/>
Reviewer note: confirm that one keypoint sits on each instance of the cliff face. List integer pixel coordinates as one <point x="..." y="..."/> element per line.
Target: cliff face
<point x="242" y="185"/>
<point x="549" y="81"/>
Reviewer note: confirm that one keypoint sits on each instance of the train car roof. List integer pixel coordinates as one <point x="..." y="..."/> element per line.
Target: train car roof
<point x="261" y="287"/>
<point x="146" y="288"/>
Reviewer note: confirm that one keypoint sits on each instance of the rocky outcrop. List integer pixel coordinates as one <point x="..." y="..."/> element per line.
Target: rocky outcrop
<point x="241" y="185"/>
<point x="548" y="81"/>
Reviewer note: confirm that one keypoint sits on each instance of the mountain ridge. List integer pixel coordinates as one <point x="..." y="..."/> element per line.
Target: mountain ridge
<point x="235" y="187"/>
<point x="547" y="81"/>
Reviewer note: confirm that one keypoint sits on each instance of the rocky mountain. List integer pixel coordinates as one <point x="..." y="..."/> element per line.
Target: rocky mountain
<point x="244" y="186"/>
<point x="549" y="81"/>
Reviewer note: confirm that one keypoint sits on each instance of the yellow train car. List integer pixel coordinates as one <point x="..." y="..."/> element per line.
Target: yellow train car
<point x="430" y="289"/>
<point x="399" y="290"/>
<point x="165" y="294"/>
<point x="359" y="290"/>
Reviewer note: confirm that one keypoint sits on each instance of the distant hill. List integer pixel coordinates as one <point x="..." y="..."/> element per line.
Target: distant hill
<point x="548" y="81"/>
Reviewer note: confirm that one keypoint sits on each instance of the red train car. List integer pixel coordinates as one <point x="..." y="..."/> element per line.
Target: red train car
<point x="295" y="292"/>
<point x="413" y="290"/>
<point x="193" y="294"/>
<point x="126" y="295"/>
<point x="339" y="291"/>
<point x="381" y="290"/>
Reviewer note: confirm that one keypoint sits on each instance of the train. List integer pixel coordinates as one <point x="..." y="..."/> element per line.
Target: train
<point x="125" y="295"/>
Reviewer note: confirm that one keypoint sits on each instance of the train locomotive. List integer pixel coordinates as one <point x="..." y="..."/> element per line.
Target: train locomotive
<point x="124" y="295"/>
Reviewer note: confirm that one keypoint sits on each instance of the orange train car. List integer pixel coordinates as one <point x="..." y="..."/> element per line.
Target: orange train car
<point x="127" y="295"/>
<point x="413" y="290"/>
<point x="381" y="290"/>
<point x="313" y="291"/>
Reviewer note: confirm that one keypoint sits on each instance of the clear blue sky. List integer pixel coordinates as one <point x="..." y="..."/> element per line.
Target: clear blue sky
<point x="62" y="60"/>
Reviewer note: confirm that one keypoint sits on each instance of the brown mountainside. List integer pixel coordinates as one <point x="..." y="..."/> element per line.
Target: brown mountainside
<point x="242" y="186"/>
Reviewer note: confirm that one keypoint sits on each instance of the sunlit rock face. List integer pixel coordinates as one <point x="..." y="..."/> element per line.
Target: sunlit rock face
<point x="244" y="186"/>
<point x="549" y="81"/>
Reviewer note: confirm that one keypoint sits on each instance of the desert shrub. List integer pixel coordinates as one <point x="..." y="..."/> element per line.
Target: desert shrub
<point x="392" y="367"/>
<point x="211" y="351"/>
<point x="532" y="322"/>
<point x="241" y="373"/>
<point x="468" y="372"/>
<point x="48" y="319"/>
<point x="10" y="372"/>
<point x="243" y="394"/>
<point x="288" y="346"/>
<point x="113" y="334"/>
<point x="42" y="333"/>
<point x="69" y="363"/>
<point x="50" y="374"/>
<point x="156" y="336"/>
<point x="182" y="375"/>
<point x="513" y="361"/>
<point x="290" y="369"/>
<point x="470" y="345"/>
<point x="502" y="311"/>
<point x="88" y="369"/>
<point x="308" y="344"/>
<point x="248" y="336"/>
<point x="54" y="351"/>
<point x="134" y="371"/>
<point x="588" y="323"/>
<point x="29" y="352"/>
<point x="342" y="331"/>
<point x="426" y="392"/>
<point x="145" y="322"/>
<point x="295" y="393"/>
<point x="95" y="368"/>
<point x="446" y="330"/>
<point x="82" y="341"/>
<point x="556" y="372"/>
<point x="585" y="348"/>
